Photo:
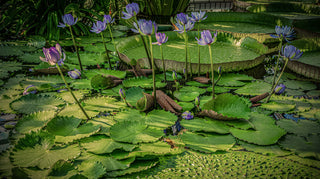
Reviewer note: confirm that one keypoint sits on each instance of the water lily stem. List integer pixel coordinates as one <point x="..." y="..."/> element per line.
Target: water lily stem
<point x="212" y="72"/>
<point x="275" y="85"/>
<point x="75" y="46"/>
<point x="105" y="47"/>
<point x="74" y="97"/>
<point x="153" y="73"/>
<point x="163" y="65"/>
<point x="114" y="44"/>
<point x="198" y="50"/>
<point x="276" y="65"/>
<point x="186" y="48"/>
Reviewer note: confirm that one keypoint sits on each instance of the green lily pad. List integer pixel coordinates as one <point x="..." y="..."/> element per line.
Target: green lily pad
<point x="304" y="85"/>
<point x="160" y="119"/>
<point x="73" y="110"/>
<point x="265" y="133"/>
<point x="90" y="73"/>
<point x="34" y="121"/>
<point x="87" y="59"/>
<point x="10" y="66"/>
<point x="186" y="106"/>
<point x="188" y="93"/>
<point x="196" y="84"/>
<point x="102" y="145"/>
<point x="300" y="128"/>
<point x="206" y="125"/>
<point x="92" y="169"/>
<point x="229" y="105"/>
<point x="135" y="131"/>
<point x="277" y="106"/>
<point x="101" y="104"/>
<point x="313" y="93"/>
<point x="105" y="122"/>
<point x="209" y="143"/>
<point x="67" y="129"/>
<point x="304" y="148"/>
<point x="129" y="115"/>
<point x="34" y="103"/>
<point x="218" y="89"/>
<point x="141" y="82"/>
<point x="133" y="95"/>
<point x="135" y="167"/>
<point x="254" y="88"/>
<point x="265" y="150"/>
<point x="32" y="57"/>
<point x="81" y="84"/>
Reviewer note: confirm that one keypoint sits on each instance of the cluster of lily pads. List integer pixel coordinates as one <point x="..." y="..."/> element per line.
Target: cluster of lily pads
<point x="100" y="122"/>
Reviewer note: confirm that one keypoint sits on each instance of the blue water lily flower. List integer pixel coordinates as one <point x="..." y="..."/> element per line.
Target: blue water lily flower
<point x="291" y="52"/>
<point x="284" y="32"/>
<point x="53" y="55"/>
<point x="75" y="74"/>
<point x="187" y="115"/>
<point x="161" y="38"/>
<point x="183" y="28"/>
<point x="280" y="89"/>
<point x="198" y="16"/>
<point x="182" y="18"/>
<point x="68" y="19"/>
<point x="98" y="27"/>
<point x="107" y="19"/>
<point x="132" y="10"/>
<point x="206" y="38"/>
<point x="145" y="27"/>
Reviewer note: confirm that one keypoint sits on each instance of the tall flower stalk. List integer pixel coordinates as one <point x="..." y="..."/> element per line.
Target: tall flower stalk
<point x="161" y="39"/>
<point x="68" y="20"/>
<point x="288" y="52"/>
<point x="207" y="39"/>
<point x="108" y="20"/>
<point x="98" y="28"/>
<point x="197" y="17"/>
<point x="53" y="56"/>
<point x="182" y="25"/>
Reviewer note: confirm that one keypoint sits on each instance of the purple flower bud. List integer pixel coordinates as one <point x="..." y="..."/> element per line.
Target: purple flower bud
<point x="187" y="115"/>
<point x="67" y="19"/>
<point x="98" y="27"/>
<point x="122" y="93"/>
<point x="75" y="74"/>
<point x="62" y="90"/>
<point x="206" y="38"/>
<point x="31" y="89"/>
<point x="291" y="52"/>
<point x="161" y="38"/>
<point x="132" y="10"/>
<point x="219" y="70"/>
<point x="280" y="89"/>
<point x="107" y="19"/>
<point x="197" y="101"/>
<point x="174" y="75"/>
<point x="52" y="55"/>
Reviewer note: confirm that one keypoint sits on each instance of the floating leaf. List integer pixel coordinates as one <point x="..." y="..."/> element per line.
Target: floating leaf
<point x="209" y="143"/>
<point x="34" y="103"/>
<point x="186" y="106"/>
<point x="265" y="150"/>
<point x="304" y="85"/>
<point x="74" y="110"/>
<point x="129" y="115"/>
<point x="135" y="131"/>
<point x="254" y="88"/>
<point x="43" y="157"/>
<point x="67" y="129"/>
<point x="102" y="145"/>
<point x="135" y="167"/>
<point x="218" y="89"/>
<point x="133" y="95"/>
<point x="304" y="148"/>
<point x="206" y="125"/>
<point x="102" y="104"/>
<point x="62" y="169"/>
<point x="81" y="84"/>
<point x="300" y="128"/>
<point x="91" y="169"/>
<point x="34" y="121"/>
<point x="265" y="133"/>
<point x="160" y="119"/>
<point x="276" y="106"/>
<point x="188" y="93"/>
<point x="87" y="59"/>
<point x="196" y="84"/>
<point x="91" y="73"/>
<point x="230" y="106"/>
<point x="141" y="82"/>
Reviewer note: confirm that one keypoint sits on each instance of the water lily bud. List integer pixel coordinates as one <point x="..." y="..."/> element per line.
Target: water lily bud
<point x="31" y="89"/>
<point x="75" y="74"/>
<point x="197" y="101"/>
<point x="220" y="70"/>
<point x="187" y="115"/>
<point x="122" y="93"/>
<point x="174" y="75"/>
<point x="280" y="89"/>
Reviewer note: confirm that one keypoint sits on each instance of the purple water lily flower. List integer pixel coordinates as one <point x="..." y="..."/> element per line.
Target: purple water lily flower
<point x="53" y="55"/>
<point x="122" y="93"/>
<point x="206" y="38"/>
<point x="182" y="18"/>
<point x="31" y="89"/>
<point x="98" y="27"/>
<point x="67" y="19"/>
<point x="187" y="115"/>
<point x="284" y="32"/>
<point x="107" y="19"/>
<point x="198" y="16"/>
<point x="183" y="28"/>
<point x="280" y="89"/>
<point x="161" y="38"/>
<point x="145" y="27"/>
<point x="291" y="52"/>
<point x="75" y="74"/>
<point x="132" y="10"/>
